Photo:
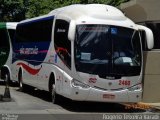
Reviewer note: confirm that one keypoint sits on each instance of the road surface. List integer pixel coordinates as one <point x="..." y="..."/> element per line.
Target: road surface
<point x="36" y="104"/>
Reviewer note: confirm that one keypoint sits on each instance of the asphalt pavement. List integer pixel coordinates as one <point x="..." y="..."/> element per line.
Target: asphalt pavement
<point x="36" y="104"/>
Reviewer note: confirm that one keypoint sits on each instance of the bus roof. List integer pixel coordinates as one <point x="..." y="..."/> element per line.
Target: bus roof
<point x="100" y="11"/>
<point x="11" y="25"/>
<point x="8" y="25"/>
<point x="103" y="13"/>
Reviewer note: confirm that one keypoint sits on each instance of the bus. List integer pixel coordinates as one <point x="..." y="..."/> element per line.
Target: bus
<point x="87" y="52"/>
<point x="7" y="31"/>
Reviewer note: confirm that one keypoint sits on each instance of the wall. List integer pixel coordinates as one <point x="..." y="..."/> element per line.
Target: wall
<point x="151" y="79"/>
<point x="141" y="11"/>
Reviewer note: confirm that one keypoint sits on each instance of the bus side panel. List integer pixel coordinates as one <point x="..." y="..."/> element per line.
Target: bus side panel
<point x="4" y="44"/>
<point x="29" y="57"/>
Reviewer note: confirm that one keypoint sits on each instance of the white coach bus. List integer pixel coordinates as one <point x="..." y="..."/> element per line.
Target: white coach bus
<point x="7" y="31"/>
<point x="82" y="52"/>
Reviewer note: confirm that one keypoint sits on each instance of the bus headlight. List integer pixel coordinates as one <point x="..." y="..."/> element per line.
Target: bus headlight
<point x="77" y="83"/>
<point x="135" y="87"/>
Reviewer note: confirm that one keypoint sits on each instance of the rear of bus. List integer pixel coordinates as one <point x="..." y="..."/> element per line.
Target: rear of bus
<point x="7" y="31"/>
<point x="4" y="44"/>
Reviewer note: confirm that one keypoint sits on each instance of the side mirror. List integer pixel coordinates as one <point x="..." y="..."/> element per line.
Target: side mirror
<point x="149" y="36"/>
<point x="72" y="30"/>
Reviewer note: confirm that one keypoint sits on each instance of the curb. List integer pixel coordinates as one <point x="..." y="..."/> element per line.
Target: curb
<point x="152" y="107"/>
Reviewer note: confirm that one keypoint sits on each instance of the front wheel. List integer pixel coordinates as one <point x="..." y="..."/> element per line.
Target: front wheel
<point x="55" y="96"/>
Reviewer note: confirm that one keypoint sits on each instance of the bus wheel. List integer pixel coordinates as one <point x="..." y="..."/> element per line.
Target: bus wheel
<point x="6" y="76"/>
<point x="21" y="86"/>
<point x="52" y="89"/>
<point x="7" y="79"/>
<point x="55" y="97"/>
<point x="53" y="94"/>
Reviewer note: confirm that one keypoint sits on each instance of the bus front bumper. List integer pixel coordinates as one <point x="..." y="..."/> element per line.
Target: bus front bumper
<point x="94" y="94"/>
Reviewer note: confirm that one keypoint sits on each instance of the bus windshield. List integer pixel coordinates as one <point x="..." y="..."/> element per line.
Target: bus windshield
<point x="107" y="51"/>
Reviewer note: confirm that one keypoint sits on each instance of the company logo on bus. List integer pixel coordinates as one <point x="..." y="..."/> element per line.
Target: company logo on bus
<point x="110" y="77"/>
<point x="61" y="30"/>
<point x="29" y="51"/>
<point x="92" y="80"/>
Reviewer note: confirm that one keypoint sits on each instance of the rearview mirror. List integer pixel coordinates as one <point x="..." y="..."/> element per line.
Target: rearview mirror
<point x="72" y="30"/>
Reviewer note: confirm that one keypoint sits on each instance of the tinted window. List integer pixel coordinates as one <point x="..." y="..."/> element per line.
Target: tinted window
<point x="4" y="46"/>
<point x="107" y="50"/>
<point x="4" y="38"/>
<point x="33" y="31"/>
<point x="62" y="44"/>
<point x="11" y="34"/>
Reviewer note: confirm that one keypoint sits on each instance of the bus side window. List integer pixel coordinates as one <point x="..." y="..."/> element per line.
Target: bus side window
<point x="11" y="34"/>
<point x="61" y="42"/>
<point x="4" y="46"/>
<point x="143" y="39"/>
<point x="4" y="39"/>
<point x="39" y="30"/>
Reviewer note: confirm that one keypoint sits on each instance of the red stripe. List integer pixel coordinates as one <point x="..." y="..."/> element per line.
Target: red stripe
<point x="29" y="69"/>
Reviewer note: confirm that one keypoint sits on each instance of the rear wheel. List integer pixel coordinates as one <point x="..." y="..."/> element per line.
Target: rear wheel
<point x="7" y="79"/>
<point x="6" y="76"/>
<point x="21" y="85"/>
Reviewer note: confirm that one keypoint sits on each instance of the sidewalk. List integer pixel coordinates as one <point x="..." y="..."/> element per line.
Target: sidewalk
<point x="143" y="106"/>
<point x="152" y="105"/>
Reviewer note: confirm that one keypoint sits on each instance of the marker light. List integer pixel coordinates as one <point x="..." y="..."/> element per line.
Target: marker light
<point x="77" y="83"/>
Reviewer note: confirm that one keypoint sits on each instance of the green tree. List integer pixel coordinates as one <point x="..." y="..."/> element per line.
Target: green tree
<point x="40" y="7"/>
<point x="109" y="2"/>
<point x="17" y="10"/>
<point x="12" y="10"/>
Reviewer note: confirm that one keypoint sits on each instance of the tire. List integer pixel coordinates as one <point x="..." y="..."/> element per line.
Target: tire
<point x="6" y="76"/>
<point x="52" y="89"/>
<point x="55" y="97"/>
<point x="21" y="85"/>
<point x="7" y="79"/>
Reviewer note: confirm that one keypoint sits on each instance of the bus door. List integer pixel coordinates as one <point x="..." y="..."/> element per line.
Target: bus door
<point x="63" y="50"/>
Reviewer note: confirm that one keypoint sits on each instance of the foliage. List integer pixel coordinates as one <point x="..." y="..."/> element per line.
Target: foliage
<point x="11" y="10"/>
<point x="16" y="10"/>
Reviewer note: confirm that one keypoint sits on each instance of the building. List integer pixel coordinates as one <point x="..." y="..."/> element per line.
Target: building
<point x="146" y="12"/>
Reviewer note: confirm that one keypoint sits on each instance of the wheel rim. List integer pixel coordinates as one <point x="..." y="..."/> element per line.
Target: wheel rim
<point x="7" y="79"/>
<point x="20" y="84"/>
